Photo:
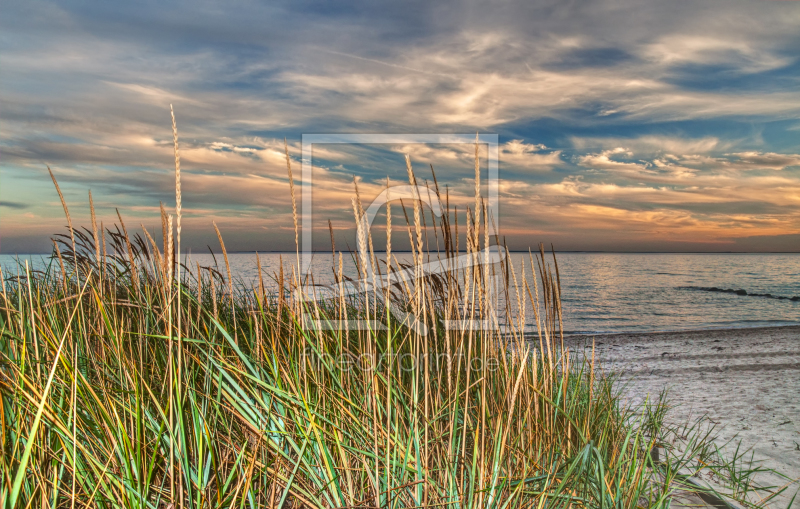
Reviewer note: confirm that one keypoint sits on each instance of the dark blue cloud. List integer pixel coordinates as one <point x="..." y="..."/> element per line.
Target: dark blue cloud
<point x="590" y="57"/>
<point x="730" y="77"/>
<point x="14" y="205"/>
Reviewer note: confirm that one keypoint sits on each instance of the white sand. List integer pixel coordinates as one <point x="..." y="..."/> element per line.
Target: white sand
<point x="746" y="380"/>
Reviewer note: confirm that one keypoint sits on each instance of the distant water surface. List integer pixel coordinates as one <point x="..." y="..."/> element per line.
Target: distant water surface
<point x="622" y="292"/>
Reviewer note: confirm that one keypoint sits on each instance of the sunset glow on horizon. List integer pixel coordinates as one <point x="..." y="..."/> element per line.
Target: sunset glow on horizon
<point x="679" y="133"/>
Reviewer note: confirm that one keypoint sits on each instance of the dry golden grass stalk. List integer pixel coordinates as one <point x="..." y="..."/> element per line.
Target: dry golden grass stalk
<point x="171" y="247"/>
<point x="491" y="298"/>
<point x="477" y="209"/>
<point x="6" y="304"/>
<point x="294" y="218"/>
<point x="199" y="292"/>
<point x="261" y="292"/>
<point x="361" y="239"/>
<point x="227" y="267"/>
<point x="177" y="179"/>
<point x="291" y="192"/>
<point x="280" y="285"/>
<point x="131" y="259"/>
<point x="363" y="222"/>
<point x="213" y="293"/>
<point x="468" y="274"/>
<point x="333" y="246"/>
<point x="225" y="255"/>
<point x="103" y="238"/>
<point x="178" y="240"/>
<point x="412" y="179"/>
<point x="388" y="234"/>
<point x="159" y="262"/>
<point x="66" y="213"/>
<point x="61" y="263"/>
<point x="165" y="267"/>
<point x="94" y="232"/>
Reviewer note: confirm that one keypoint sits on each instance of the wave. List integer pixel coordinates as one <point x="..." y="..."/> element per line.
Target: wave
<point x="744" y="293"/>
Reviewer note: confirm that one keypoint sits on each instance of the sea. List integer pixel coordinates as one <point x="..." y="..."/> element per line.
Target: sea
<point x="605" y="292"/>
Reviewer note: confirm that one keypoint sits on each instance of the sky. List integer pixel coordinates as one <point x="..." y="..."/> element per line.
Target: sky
<point x="623" y="125"/>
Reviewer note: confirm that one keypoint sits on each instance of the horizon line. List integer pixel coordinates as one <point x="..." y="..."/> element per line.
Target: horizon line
<point x="510" y="251"/>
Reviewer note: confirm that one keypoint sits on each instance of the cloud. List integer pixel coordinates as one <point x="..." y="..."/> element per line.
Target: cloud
<point x="638" y="112"/>
<point x="769" y="160"/>
<point x="655" y="144"/>
<point x="701" y="49"/>
<point x="517" y="154"/>
<point x="13" y="205"/>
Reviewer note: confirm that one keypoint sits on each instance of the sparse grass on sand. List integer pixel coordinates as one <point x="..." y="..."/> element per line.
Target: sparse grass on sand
<point x="124" y="386"/>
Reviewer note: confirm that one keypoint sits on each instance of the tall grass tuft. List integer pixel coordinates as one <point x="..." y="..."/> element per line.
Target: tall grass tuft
<point x="252" y="408"/>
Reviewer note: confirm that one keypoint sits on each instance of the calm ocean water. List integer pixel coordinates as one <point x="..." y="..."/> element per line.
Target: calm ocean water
<point x="626" y="292"/>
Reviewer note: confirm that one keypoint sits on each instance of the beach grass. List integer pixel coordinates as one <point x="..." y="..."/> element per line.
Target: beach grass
<point x="129" y="380"/>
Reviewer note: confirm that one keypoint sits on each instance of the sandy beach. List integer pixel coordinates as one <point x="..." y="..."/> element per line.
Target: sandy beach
<point x="747" y="381"/>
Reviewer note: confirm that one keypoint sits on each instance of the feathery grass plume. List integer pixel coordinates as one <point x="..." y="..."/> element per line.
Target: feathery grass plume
<point x="294" y="201"/>
<point x="298" y="286"/>
<point x="417" y="221"/>
<point x="419" y="260"/>
<point x="388" y="235"/>
<point x="131" y="259"/>
<point x="362" y="233"/>
<point x="69" y="219"/>
<point x="361" y="240"/>
<point x="178" y="216"/>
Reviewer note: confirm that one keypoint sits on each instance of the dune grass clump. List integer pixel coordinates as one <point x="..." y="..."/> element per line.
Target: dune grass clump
<point x="124" y="385"/>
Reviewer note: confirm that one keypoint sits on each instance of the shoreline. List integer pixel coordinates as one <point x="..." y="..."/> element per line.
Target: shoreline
<point x="574" y="336"/>
<point x="746" y="381"/>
